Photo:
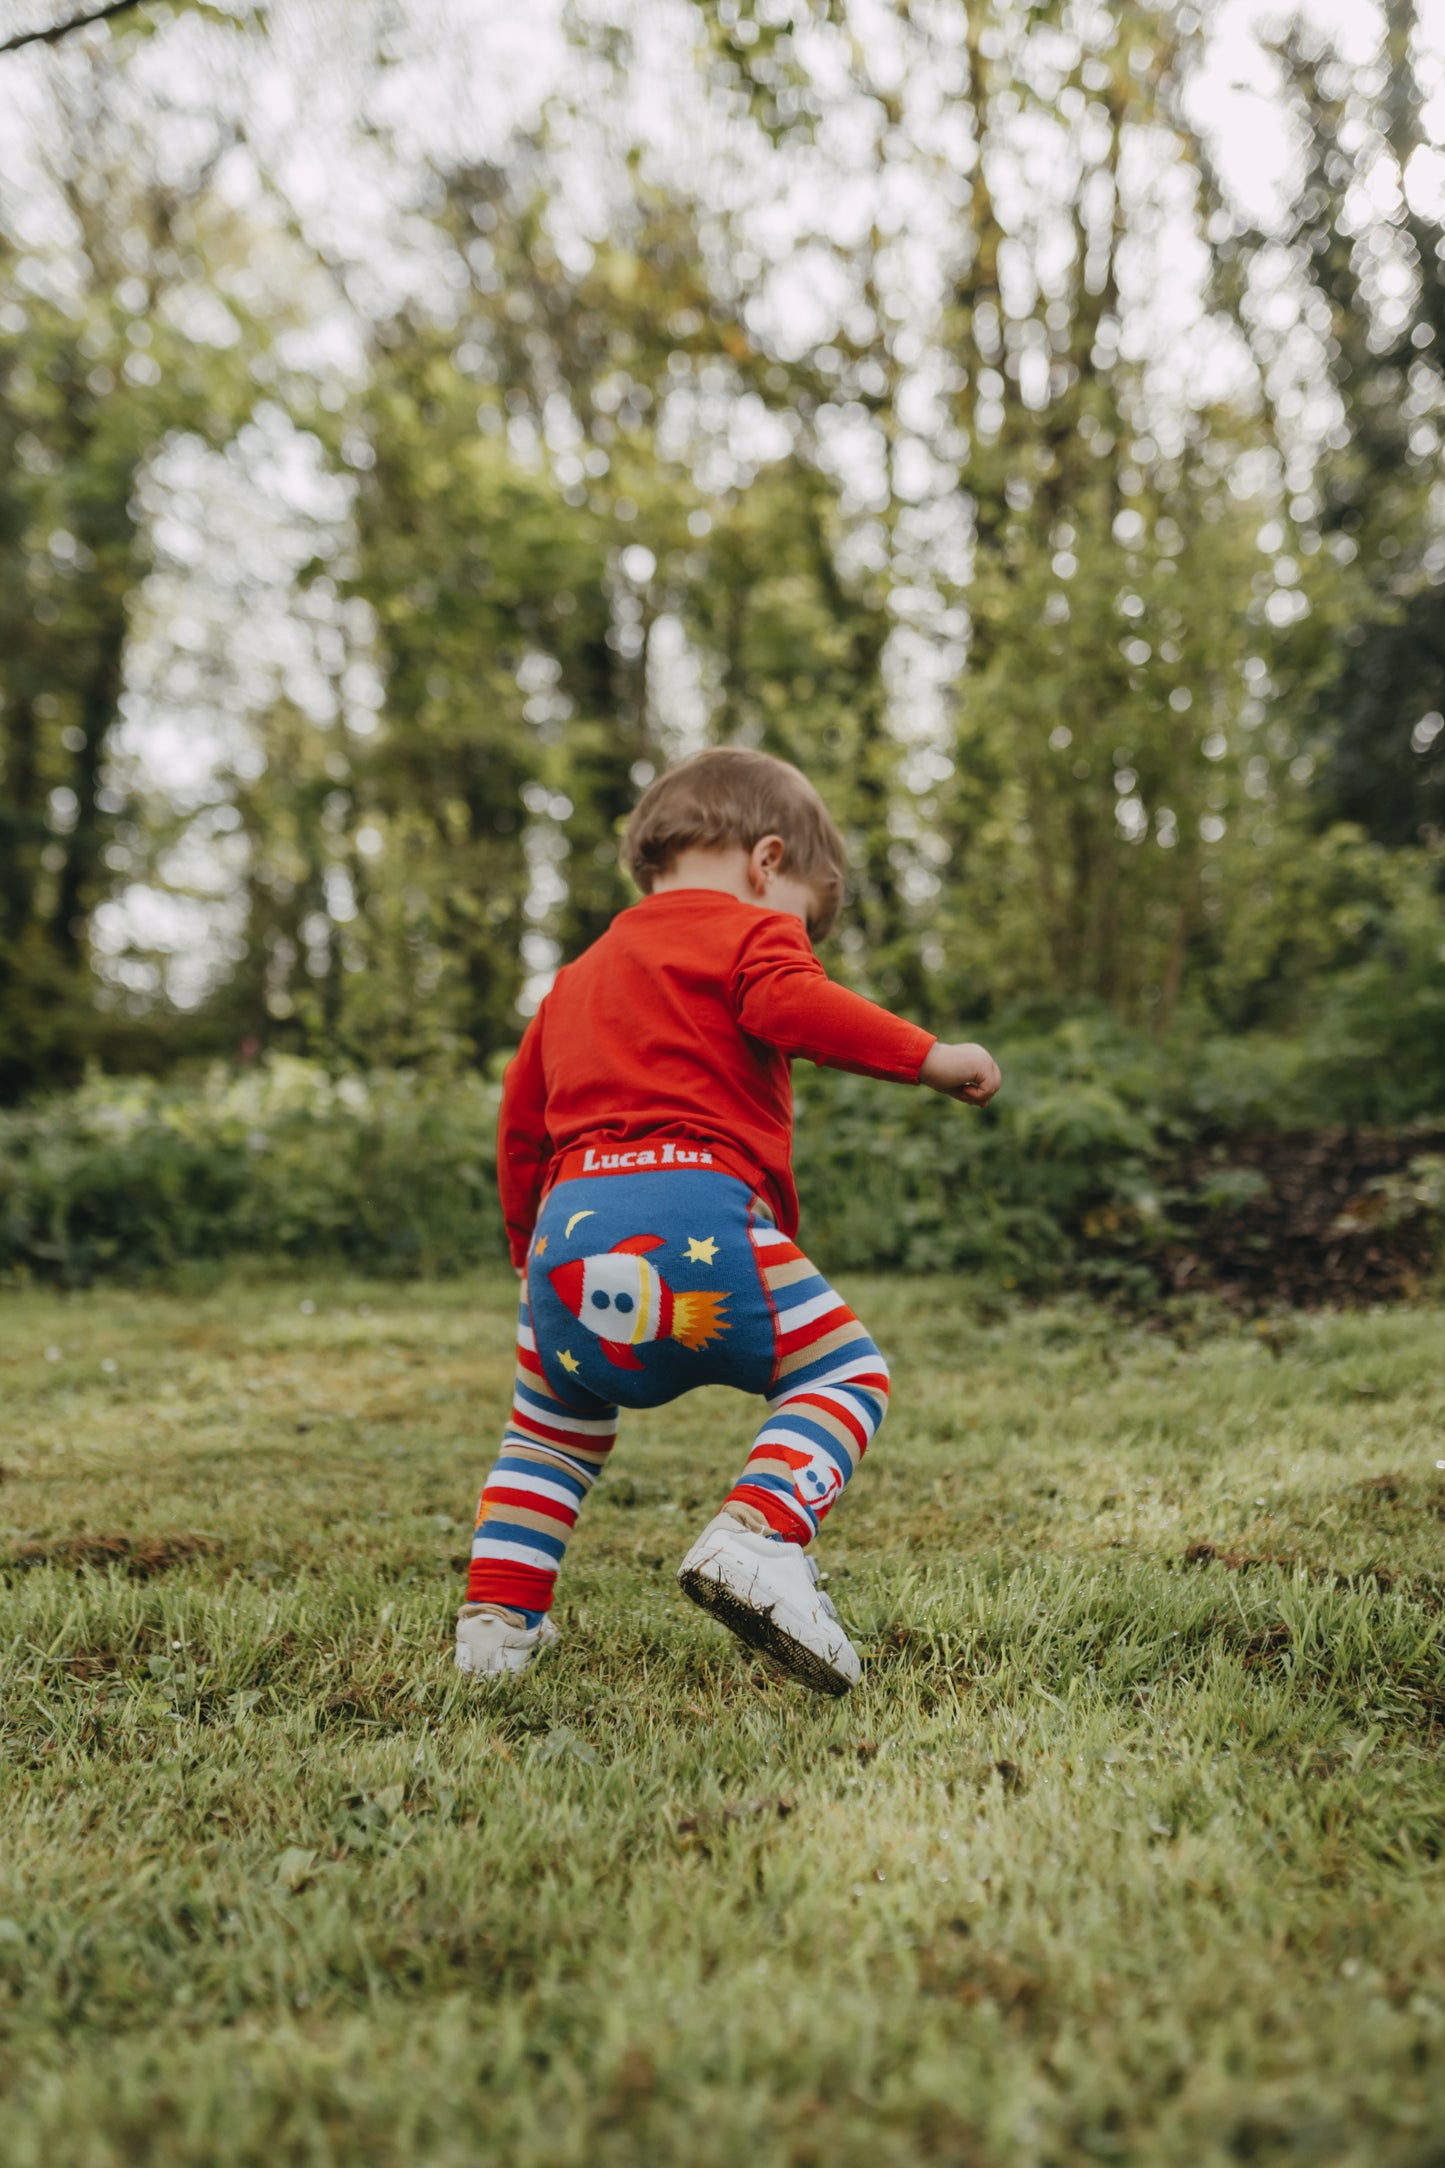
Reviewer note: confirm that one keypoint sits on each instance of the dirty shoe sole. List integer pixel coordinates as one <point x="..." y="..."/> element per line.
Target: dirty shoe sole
<point x="764" y="1630"/>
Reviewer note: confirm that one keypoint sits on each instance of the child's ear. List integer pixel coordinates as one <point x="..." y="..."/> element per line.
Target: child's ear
<point x="765" y="861"/>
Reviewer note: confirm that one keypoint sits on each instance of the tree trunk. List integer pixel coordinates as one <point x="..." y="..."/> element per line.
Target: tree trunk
<point x="79" y="875"/>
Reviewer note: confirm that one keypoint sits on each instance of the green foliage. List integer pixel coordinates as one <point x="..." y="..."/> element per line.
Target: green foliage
<point x="908" y="1179"/>
<point x="395" y="1170"/>
<point x="127" y="1180"/>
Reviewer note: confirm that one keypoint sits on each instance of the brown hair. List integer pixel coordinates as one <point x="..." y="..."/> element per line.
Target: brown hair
<point x="731" y="794"/>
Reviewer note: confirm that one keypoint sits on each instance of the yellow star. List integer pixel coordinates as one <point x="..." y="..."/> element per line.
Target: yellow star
<point x="701" y="1250"/>
<point x="567" y="1359"/>
<point x="539" y="1245"/>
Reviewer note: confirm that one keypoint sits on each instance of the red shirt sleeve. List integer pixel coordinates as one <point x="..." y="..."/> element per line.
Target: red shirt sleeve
<point x="523" y="1144"/>
<point x="782" y="994"/>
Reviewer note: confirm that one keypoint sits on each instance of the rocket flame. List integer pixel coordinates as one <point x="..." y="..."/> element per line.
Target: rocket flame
<point x="698" y="1317"/>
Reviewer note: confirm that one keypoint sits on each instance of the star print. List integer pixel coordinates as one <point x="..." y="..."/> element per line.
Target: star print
<point x="539" y="1246"/>
<point x="567" y="1359"/>
<point x="701" y="1249"/>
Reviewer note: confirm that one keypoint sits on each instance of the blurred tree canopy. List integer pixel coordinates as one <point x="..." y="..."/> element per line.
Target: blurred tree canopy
<point x="911" y="399"/>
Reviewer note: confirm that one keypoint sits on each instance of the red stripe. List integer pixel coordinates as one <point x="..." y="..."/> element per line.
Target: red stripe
<point x="521" y="1588"/>
<point x="805" y="1335"/>
<point x="568" y="1440"/>
<point x="845" y="1416"/>
<point x="533" y="1501"/>
<point x="770" y="1504"/>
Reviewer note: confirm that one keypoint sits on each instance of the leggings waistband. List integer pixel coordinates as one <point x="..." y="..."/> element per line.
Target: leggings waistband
<point x="660" y="1155"/>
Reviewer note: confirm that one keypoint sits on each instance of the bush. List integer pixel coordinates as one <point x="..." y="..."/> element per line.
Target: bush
<point x="395" y="1173"/>
<point x="391" y="1173"/>
<point x="905" y="1178"/>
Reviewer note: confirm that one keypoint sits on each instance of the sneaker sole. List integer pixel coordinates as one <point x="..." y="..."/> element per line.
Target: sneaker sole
<point x="762" y="1630"/>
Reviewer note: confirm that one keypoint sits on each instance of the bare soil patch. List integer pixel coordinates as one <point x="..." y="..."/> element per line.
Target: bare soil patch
<point x="142" y="1557"/>
<point x="1316" y="1228"/>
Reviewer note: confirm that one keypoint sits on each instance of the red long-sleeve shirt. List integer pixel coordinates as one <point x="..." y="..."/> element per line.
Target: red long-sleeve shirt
<point x="679" y="1023"/>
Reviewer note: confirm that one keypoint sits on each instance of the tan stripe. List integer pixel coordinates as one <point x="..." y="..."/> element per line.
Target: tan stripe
<point x="760" y="1463"/>
<point x="502" y="1509"/>
<point x="825" y="1420"/>
<point x="843" y="1380"/>
<point x="538" y="1385"/>
<point x="801" y="1268"/>
<point x="841" y="1336"/>
<point x="551" y="1456"/>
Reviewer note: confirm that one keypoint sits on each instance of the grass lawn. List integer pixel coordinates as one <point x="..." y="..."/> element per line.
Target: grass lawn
<point x="1112" y="1857"/>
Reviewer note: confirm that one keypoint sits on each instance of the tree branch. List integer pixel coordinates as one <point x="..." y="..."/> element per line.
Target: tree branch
<point x="57" y="31"/>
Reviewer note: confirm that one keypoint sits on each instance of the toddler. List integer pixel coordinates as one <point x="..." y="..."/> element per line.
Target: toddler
<point x="644" y="1165"/>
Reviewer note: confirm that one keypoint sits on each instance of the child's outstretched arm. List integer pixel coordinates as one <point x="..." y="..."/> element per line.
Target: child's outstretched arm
<point x="783" y="995"/>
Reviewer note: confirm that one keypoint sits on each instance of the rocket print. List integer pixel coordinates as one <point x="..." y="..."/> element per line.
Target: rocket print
<point x="625" y="1301"/>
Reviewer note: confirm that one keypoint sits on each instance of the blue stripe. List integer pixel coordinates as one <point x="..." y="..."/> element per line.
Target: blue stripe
<point x="546" y="1402"/>
<point x="566" y="1478"/>
<point x="750" y="1479"/>
<point x="868" y="1403"/>
<point x="813" y="1436"/>
<point x="495" y="1531"/>
<point x="816" y="1373"/>
<point x="540" y="1398"/>
<point x="757" y="1479"/>
<point x="788" y="1298"/>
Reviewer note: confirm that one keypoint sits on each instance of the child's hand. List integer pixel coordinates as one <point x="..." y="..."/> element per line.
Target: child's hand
<point x="966" y="1072"/>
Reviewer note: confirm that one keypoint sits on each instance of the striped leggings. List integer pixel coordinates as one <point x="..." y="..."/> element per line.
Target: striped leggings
<point x="640" y="1287"/>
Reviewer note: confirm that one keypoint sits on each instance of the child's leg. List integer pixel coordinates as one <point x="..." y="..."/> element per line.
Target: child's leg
<point x="552" y="1453"/>
<point x="829" y="1394"/>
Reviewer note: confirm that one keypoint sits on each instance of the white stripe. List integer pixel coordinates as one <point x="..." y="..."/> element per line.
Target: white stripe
<point x="808" y="1313"/>
<point x="527" y="1338"/>
<point x="764" y="1237"/>
<point x="534" y="1486"/>
<point x="520" y="1554"/>
<point x="579" y="1426"/>
<point x="859" y="1366"/>
<point x="781" y="1434"/>
<point x="845" y="1406"/>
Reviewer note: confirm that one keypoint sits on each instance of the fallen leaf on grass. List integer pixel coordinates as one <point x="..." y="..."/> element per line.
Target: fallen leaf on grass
<point x="736" y="1810"/>
<point x="981" y="1976"/>
<point x="294" y="1868"/>
<point x="562" y="1744"/>
<point x="634" y="2081"/>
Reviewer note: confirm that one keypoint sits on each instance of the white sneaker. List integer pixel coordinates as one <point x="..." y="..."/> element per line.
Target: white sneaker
<point x="491" y="1641"/>
<point x="767" y="1593"/>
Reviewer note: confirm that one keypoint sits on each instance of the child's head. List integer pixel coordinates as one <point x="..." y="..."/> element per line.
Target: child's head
<point x="731" y="797"/>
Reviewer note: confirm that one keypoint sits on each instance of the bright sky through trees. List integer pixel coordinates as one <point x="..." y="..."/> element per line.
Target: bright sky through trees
<point x="843" y="423"/>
